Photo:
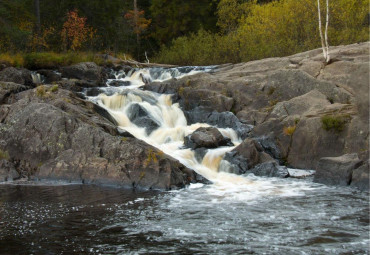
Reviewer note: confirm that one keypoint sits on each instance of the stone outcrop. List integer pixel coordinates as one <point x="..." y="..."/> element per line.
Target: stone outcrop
<point x="88" y="72"/>
<point x="52" y="134"/>
<point x="296" y="92"/>
<point x="17" y="75"/>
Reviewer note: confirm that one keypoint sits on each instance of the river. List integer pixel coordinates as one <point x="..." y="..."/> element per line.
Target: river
<point x="233" y="215"/>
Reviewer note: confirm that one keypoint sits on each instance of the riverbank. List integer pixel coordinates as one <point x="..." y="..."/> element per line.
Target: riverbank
<point x="292" y="111"/>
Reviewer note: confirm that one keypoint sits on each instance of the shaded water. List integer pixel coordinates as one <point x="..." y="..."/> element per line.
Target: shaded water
<point x="299" y="217"/>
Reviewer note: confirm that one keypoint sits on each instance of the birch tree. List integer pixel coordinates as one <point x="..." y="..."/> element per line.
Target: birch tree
<point x="324" y="39"/>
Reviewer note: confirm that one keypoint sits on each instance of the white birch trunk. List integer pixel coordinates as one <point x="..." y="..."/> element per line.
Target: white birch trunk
<point x="326" y="32"/>
<point x="324" y="41"/>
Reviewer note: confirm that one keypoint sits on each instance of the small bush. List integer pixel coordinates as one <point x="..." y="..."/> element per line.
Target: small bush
<point x="334" y="122"/>
<point x="16" y="60"/>
<point x="289" y="131"/>
<point x="41" y="91"/>
<point x="4" y="155"/>
<point x="54" y="88"/>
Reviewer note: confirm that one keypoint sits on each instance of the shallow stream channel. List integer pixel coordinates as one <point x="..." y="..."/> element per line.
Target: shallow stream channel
<point x="236" y="214"/>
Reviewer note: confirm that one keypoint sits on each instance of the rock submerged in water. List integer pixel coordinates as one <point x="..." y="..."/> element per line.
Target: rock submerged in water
<point x="141" y="118"/>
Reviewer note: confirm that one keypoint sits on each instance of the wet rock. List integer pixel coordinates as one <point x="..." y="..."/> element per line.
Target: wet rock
<point x="246" y="156"/>
<point x="93" y="92"/>
<point x="206" y="137"/>
<point x="361" y="177"/>
<point x="270" y="169"/>
<point x="61" y="137"/>
<point x="87" y="71"/>
<point x="219" y="119"/>
<point x="141" y="118"/>
<point x="200" y="153"/>
<point x="119" y="83"/>
<point x="17" y="75"/>
<point x="50" y="75"/>
<point x="337" y="170"/>
<point x="7" y="171"/>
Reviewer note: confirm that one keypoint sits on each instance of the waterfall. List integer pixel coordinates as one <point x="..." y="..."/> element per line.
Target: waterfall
<point x="155" y="119"/>
<point x="36" y="78"/>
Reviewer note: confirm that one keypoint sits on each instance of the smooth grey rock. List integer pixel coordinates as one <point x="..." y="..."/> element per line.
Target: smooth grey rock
<point x="17" y="75"/>
<point x="87" y="71"/>
<point x="206" y="137"/>
<point x="337" y="170"/>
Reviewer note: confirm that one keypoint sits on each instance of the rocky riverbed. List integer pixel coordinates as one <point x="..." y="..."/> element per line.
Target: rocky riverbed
<point x="294" y="111"/>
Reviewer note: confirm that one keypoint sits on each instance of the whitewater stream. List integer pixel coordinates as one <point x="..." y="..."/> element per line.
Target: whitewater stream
<point x="233" y="215"/>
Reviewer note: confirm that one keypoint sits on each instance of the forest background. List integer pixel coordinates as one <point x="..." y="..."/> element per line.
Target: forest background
<point x="191" y="32"/>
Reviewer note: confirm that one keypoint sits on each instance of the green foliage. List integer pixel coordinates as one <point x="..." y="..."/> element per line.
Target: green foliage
<point x="39" y="60"/>
<point x="275" y="29"/>
<point x="175" y="18"/>
<point x="41" y="91"/>
<point x="54" y="88"/>
<point x="289" y="130"/>
<point x="4" y="155"/>
<point x="334" y="122"/>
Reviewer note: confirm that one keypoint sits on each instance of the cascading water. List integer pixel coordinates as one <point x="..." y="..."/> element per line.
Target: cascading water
<point x="170" y="128"/>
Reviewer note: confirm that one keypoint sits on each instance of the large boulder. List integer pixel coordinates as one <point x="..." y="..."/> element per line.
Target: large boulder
<point x="50" y="76"/>
<point x="55" y="135"/>
<point x="337" y="170"/>
<point x="17" y="75"/>
<point x="86" y="71"/>
<point x="206" y="137"/>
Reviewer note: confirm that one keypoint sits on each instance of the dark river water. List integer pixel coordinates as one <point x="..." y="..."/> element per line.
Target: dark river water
<point x="285" y="217"/>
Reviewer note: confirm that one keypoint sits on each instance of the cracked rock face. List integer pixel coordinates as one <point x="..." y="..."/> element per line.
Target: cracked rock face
<point x="59" y="136"/>
<point x="294" y="91"/>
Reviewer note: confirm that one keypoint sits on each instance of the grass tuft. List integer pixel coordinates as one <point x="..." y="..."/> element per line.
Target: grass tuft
<point x="334" y="122"/>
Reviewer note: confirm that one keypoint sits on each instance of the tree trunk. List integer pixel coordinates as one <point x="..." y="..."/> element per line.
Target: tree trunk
<point x="324" y="41"/>
<point x="38" y="19"/>
<point x="136" y="28"/>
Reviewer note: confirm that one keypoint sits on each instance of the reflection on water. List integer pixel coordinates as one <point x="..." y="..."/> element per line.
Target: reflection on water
<point x="303" y="218"/>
